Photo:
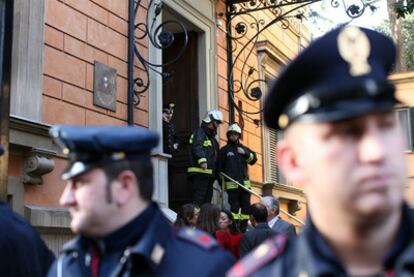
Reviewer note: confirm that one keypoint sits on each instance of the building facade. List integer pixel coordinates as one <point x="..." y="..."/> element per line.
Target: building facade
<point x="70" y="64"/>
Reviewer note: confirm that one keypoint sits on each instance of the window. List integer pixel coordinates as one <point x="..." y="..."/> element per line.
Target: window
<point x="404" y="117"/>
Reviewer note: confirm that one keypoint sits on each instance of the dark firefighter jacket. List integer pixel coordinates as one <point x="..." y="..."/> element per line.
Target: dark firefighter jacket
<point x="234" y="164"/>
<point x="310" y="255"/>
<point x="147" y="246"/>
<point x="203" y="148"/>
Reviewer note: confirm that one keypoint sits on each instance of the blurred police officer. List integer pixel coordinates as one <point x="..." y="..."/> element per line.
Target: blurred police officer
<point x="341" y="141"/>
<point x="22" y="251"/>
<point x="204" y="149"/>
<point x="169" y="140"/>
<point x="121" y="232"/>
<point x="233" y="160"/>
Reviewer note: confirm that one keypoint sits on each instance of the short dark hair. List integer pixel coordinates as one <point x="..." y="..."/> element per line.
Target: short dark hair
<point x="185" y="213"/>
<point x="142" y="168"/>
<point x="259" y="212"/>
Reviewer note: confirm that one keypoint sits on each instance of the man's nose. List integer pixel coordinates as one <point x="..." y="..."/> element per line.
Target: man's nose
<point x="67" y="198"/>
<point x="372" y="147"/>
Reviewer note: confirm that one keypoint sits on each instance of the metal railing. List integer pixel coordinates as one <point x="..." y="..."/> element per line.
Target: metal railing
<point x="223" y="176"/>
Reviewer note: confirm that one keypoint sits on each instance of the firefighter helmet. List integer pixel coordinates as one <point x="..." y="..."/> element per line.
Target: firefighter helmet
<point x="234" y="128"/>
<point x="213" y="115"/>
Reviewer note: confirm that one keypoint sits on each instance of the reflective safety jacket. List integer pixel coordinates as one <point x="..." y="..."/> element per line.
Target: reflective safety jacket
<point x="203" y="148"/>
<point x="234" y="164"/>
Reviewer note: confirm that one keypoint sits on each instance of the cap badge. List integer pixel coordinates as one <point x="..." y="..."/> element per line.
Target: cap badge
<point x="354" y="48"/>
<point x="283" y="121"/>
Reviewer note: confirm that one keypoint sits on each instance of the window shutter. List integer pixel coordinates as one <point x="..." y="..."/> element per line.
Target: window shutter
<point x="273" y="156"/>
<point x="410" y="128"/>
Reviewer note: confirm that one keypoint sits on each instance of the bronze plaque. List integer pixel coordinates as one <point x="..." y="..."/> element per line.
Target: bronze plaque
<point x="104" y="86"/>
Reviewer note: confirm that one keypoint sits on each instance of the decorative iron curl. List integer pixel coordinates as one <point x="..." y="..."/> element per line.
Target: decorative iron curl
<point x="160" y="37"/>
<point x="252" y="28"/>
<point x="238" y="29"/>
<point x="244" y="82"/>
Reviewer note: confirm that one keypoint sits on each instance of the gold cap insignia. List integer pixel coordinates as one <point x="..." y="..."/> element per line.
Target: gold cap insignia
<point x="354" y="48"/>
<point x="118" y="156"/>
<point x="283" y="121"/>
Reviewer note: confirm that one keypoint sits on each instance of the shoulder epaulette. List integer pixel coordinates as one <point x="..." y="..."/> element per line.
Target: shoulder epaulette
<point x="259" y="257"/>
<point x="196" y="237"/>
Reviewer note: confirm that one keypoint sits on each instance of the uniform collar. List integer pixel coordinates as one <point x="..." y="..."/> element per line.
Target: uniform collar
<point x="131" y="232"/>
<point x="154" y="239"/>
<point x="404" y="242"/>
<point x="318" y="259"/>
<point x="126" y="236"/>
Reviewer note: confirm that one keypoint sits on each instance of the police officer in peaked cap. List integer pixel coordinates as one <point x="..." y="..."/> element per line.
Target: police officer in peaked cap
<point x="120" y="230"/>
<point x="342" y="142"/>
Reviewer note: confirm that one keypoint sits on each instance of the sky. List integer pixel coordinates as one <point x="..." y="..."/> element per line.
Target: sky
<point x="330" y="17"/>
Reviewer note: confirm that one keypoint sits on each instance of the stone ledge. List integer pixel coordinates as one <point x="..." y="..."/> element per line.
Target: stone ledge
<point x="46" y="217"/>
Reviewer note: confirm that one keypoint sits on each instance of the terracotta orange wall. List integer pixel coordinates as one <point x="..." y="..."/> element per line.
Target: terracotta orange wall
<point x="15" y="165"/>
<point x="78" y="32"/>
<point x="46" y="194"/>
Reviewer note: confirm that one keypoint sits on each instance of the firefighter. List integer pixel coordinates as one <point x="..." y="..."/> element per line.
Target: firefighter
<point x="203" y="154"/>
<point x="234" y="158"/>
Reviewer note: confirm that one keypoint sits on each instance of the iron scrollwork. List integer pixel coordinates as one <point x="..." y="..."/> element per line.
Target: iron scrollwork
<point x="243" y="30"/>
<point x="159" y="35"/>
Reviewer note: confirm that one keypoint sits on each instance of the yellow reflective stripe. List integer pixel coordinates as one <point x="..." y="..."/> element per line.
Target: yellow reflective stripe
<point x="199" y="170"/>
<point x="233" y="185"/>
<point x="207" y="143"/>
<point x="246" y="184"/>
<point x="202" y="160"/>
<point x="240" y="216"/>
<point x="191" y="139"/>
<point x="230" y="185"/>
<point x="250" y="158"/>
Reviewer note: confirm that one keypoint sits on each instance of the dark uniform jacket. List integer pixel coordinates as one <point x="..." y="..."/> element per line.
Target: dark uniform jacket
<point x="169" y="137"/>
<point x="255" y="237"/>
<point x="309" y="255"/>
<point x="22" y="251"/>
<point x="147" y="246"/>
<point x="203" y="148"/>
<point x="234" y="165"/>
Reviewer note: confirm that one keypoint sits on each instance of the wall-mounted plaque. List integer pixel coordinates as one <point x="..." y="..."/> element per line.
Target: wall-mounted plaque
<point x="104" y="86"/>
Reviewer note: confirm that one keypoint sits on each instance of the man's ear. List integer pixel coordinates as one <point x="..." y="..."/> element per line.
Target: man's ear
<point x="126" y="187"/>
<point x="289" y="162"/>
